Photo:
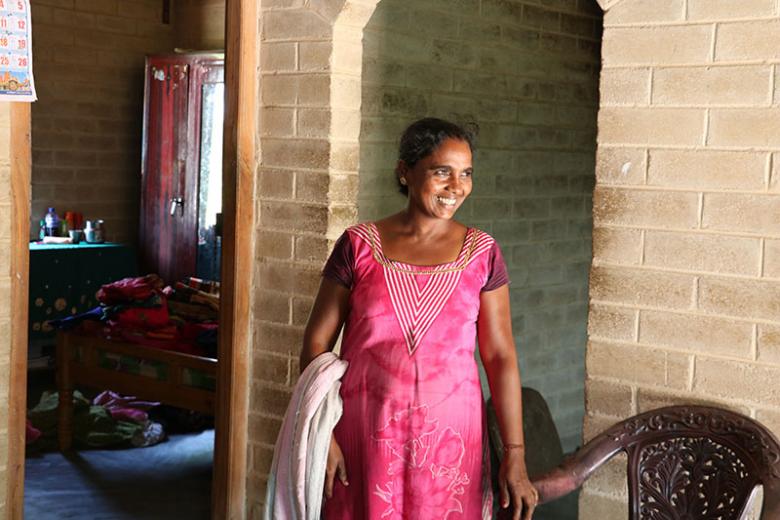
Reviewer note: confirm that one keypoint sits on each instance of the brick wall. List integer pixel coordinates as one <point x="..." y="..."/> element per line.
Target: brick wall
<point x="199" y="24"/>
<point x="684" y="284"/>
<point x="293" y="213"/>
<point x="528" y="76"/>
<point x="89" y="58"/>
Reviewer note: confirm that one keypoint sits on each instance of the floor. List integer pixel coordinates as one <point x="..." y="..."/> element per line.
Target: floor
<point x="169" y="481"/>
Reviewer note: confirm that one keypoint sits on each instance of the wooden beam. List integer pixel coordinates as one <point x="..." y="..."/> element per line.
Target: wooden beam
<point x="168" y="357"/>
<point x="230" y="444"/>
<point x="21" y="165"/>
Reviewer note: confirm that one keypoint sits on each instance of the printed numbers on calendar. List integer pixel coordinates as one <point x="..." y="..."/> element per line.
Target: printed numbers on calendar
<point x="21" y="24"/>
<point x="22" y="61"/>
<point x="19" y="5"/>
<point x="21" y="44"/>
<point x="5" y="60"/>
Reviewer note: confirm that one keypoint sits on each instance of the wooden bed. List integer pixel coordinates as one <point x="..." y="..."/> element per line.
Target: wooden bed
<point x="81" y="361"/>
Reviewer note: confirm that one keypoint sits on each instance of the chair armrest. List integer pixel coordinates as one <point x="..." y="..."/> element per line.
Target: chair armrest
<point x="575" y="469"/>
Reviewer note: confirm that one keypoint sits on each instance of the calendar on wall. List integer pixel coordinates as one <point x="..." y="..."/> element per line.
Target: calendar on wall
<point x="16" y="75"/>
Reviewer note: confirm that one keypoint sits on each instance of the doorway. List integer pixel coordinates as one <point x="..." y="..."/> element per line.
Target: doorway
<point x="228" y="485"/>
<point x="524" y="77"/>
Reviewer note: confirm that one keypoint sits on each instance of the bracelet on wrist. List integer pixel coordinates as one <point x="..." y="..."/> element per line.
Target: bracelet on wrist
<point x="508" y="447"/>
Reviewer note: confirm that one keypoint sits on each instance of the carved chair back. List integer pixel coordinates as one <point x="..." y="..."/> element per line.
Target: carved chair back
<point x="684" y="463"/>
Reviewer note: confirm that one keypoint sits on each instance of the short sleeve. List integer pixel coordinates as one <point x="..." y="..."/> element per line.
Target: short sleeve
<point x="497" y="273"/>
<point x="339" y="265"/>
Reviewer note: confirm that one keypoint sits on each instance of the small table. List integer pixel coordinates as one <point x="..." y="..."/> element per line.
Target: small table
<point x="64" y="279"/>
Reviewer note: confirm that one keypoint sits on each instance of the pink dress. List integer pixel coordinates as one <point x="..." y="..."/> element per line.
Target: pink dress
<point x="413" y="428"/>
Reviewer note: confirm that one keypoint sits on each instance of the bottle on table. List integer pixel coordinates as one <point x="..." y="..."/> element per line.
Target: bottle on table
<point x="52" y="223"/>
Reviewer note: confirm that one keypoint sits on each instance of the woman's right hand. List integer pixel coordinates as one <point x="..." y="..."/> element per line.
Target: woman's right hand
<point x="335" y="467"/>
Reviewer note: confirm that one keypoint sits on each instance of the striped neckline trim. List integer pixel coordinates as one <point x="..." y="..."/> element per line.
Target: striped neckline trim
<point x="416" y="307"/>
<point x="371" y="231"/>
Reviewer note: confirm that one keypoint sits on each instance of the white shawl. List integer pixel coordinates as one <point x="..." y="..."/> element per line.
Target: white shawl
<point x="297" y="477"/>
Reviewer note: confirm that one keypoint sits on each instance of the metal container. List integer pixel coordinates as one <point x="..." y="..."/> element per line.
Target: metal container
<point x="94" y="231"/>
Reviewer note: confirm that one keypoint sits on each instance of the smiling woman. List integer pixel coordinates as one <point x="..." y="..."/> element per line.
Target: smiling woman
<point x="413" y="292"/>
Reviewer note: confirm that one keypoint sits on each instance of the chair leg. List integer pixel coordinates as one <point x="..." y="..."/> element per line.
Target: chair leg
<point x="65" y="392"/>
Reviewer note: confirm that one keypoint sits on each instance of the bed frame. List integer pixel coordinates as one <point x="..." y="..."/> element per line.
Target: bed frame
<point x="86" y="371"/>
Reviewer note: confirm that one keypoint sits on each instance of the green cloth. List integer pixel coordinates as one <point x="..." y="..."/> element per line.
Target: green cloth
<point x="93" y="426"/>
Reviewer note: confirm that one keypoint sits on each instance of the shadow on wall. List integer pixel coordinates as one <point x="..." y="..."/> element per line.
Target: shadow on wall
<point x="528" y="76"/>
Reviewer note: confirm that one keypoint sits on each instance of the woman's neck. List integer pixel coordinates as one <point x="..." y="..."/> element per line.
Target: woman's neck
<point x="414" y="224"/>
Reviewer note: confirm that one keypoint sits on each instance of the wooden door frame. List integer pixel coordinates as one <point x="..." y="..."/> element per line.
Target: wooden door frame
<point x="238" y="191"/>
<point x="230" y="444"/>
<point x="21" y="167"/>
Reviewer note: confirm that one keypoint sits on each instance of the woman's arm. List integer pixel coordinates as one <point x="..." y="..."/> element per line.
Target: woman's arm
<point x="325" y="320"/>
<point x="322" y="330"/>
<point x="497" y="351"/>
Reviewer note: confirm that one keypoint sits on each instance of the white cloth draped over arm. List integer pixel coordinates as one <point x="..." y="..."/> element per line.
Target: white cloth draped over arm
<point x="297" y="476"/>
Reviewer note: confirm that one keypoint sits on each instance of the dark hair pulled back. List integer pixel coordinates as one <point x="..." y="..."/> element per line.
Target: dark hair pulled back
<point x="424" y="136"/>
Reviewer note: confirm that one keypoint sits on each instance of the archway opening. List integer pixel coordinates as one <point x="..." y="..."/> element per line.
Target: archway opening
<point x="527" y="76"/>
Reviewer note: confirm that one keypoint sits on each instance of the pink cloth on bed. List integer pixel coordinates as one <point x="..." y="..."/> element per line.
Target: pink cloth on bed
<point x="124" y="408"/>
<point x="413" y="425"/>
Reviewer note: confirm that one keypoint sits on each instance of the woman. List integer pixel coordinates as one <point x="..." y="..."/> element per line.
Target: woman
<point x="414" y="290"/>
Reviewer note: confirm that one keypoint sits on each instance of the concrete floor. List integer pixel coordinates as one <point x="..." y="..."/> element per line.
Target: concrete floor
<point x="169" y="481"/>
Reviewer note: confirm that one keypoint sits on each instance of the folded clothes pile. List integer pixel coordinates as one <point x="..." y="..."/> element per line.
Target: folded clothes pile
<point x="129" y="290"/>
<point x="142" y="310"/>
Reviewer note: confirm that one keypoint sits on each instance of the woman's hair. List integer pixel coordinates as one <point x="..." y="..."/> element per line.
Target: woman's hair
<point x="424" y="136"/>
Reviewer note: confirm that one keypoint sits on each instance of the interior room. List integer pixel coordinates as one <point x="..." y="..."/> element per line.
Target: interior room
<point x="683" y="284"/>
<point x="125" y="257"/>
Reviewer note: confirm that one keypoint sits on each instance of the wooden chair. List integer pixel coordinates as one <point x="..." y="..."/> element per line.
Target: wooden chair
<point x="684" y="462"/>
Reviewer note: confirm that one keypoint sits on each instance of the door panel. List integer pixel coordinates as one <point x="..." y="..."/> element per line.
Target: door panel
<point x="178" y="202"/>
<point x="164" y="173"/>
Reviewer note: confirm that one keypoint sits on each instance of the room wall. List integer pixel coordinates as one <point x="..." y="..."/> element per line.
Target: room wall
<point x="686" y="237"/>
<point x="685" y="282"/>
<point x="199" y="24"/>
<point x="89" y="67"/>
<point x="527" y="75"/>
<point x="680" y="238"/>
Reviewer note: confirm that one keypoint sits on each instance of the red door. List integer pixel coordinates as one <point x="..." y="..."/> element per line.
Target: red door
<point x="167" y="238"/>
<point x="177" y="186"/>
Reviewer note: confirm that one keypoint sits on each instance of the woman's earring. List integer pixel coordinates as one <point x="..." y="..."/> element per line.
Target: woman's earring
<point x="402" y="180"/>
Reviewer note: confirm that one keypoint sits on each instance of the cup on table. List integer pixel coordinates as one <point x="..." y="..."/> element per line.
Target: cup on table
<point x="75" y="235"/>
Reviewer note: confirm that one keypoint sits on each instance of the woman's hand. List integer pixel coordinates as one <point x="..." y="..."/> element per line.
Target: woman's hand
<point x="335" y="467"/>
<point x="513" y="484"/>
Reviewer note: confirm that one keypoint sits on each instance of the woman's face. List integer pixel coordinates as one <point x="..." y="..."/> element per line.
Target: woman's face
<point x="441" y="181"/>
